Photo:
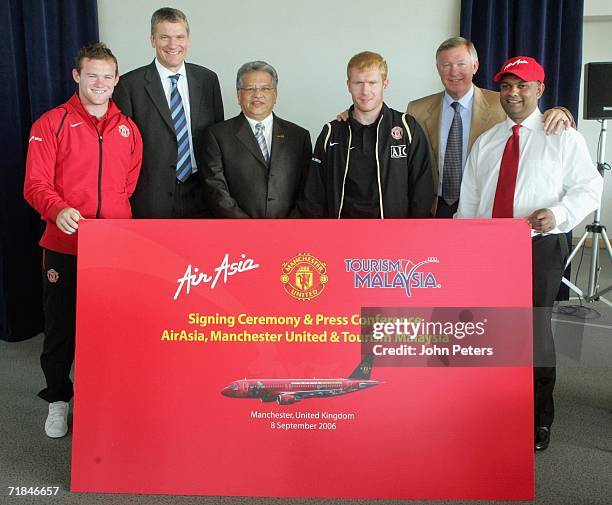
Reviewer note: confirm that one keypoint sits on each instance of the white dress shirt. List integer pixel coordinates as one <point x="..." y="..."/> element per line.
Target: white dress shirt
<point x="466" y="103"/>
<point x="267" y="122"/>
<point x="555" y="172"/>
<point x="183" y="88"/>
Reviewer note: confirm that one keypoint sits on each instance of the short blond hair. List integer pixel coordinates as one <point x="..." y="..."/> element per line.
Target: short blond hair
<point x="367" y="60"/>
<point x="168" y="14"/>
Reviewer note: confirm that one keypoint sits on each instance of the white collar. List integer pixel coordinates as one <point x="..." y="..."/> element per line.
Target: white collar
<point x="267" y="122"/>
<point x="465" y="100"/>
<point x="531" y="122"/>
<point x="165" y="73"/>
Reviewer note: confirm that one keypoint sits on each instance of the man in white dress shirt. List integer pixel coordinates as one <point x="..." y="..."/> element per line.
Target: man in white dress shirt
<point x="516" y="170"/>
<point x="474" y="110"/>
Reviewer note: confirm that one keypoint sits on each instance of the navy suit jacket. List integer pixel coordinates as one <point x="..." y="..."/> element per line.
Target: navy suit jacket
<point x="140" y="95"/>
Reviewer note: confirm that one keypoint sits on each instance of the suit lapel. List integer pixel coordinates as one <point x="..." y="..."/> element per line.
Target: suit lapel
<point x="279" y="136"/>
<point x="195" y="95"/>
<point x="432" y="125"/>
<point x="480" y="117"/>
<point x="156" y="93"/>
<point x="246" y="137"/>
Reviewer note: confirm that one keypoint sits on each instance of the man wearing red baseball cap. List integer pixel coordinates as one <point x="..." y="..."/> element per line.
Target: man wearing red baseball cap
<point x="516" y="170"/>
<point x="454" y="118"/>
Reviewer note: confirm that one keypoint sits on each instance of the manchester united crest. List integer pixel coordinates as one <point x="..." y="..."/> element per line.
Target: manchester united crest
<point x="52" y="275"/>
<point x="397" y="133"/>
<point x="304" y="276"/>
<point x="123" y="130"/>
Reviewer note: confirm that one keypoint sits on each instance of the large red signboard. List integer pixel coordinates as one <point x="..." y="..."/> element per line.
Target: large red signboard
<point x="224" y="358"/>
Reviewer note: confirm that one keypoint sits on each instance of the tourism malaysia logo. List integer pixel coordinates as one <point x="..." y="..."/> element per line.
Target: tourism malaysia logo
<point x="388" y="273"/>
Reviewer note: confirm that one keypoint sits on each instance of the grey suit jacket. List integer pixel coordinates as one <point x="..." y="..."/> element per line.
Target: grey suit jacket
<point x="140" y="95"/>
<point x="237" y="181"/>
<point x="486" y="112"/>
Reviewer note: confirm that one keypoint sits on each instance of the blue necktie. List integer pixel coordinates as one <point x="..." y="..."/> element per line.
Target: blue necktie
<point x="181" y="128"/>
<point x="261" y="140"/>
<point x="451" y="173"/>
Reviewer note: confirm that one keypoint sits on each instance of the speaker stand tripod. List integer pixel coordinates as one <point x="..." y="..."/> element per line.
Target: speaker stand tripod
<point x="597" y="232"/>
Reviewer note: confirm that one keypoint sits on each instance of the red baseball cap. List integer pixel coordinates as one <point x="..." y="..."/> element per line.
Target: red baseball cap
<point x="524" y="67"/>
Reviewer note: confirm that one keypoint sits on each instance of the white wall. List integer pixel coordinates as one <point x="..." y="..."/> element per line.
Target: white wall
<point x="597" y="8"/>
<point x="309" y="43"/>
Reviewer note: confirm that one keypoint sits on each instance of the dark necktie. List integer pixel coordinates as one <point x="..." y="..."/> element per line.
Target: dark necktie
<point x="503" y="206"/>
<point x="451" y="172"/>
<point x="261" y="140"/>
<point x="181" y="129"/>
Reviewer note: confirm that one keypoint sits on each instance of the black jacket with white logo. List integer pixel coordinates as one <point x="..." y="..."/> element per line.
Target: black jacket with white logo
<point x="403" y="164"/>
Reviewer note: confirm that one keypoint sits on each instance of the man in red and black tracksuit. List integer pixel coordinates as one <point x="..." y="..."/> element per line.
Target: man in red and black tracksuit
<point x="83" y="162"/>
<point x="377" y="164"/>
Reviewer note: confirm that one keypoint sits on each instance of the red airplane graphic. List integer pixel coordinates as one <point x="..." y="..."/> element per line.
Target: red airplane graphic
<point x="288" y="391"/>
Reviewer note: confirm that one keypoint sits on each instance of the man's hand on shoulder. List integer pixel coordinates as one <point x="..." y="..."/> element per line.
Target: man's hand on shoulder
<point x="557" y="119"/>
<point x="68" y="219"/>
<point x="343" y="116"/>
<point x="542" y="220"/>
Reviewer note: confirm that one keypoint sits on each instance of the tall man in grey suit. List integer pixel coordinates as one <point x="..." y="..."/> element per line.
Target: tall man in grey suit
<point x="255" y="163"/>
<point x="172" y="102"/>
<point x="452" y="129"/>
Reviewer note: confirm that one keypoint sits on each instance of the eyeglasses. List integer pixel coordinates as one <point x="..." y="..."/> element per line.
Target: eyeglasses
<point x="250" y="90"/>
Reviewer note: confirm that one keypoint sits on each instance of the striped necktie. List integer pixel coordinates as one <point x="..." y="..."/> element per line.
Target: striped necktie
<point x="261" y="140"/>
<point x="181" y="128"/>
<point x="451" y="173"/>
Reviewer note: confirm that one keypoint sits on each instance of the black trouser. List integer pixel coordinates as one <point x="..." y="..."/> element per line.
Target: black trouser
<point x="549" y="254"/>
<point x="188" y="200"/>
<point x="444" y="210"/>
<point x="59" y="305"/>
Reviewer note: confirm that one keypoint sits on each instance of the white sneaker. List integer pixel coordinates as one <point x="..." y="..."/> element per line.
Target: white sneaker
<point x="56" y="425"/>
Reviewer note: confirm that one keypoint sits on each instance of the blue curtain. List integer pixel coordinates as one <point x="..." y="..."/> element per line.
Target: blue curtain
<point x="548" y="30"/>
<point x="41" y="39"/>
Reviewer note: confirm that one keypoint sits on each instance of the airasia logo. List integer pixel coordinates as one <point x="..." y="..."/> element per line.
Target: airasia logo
<point x="516" y="62"/>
